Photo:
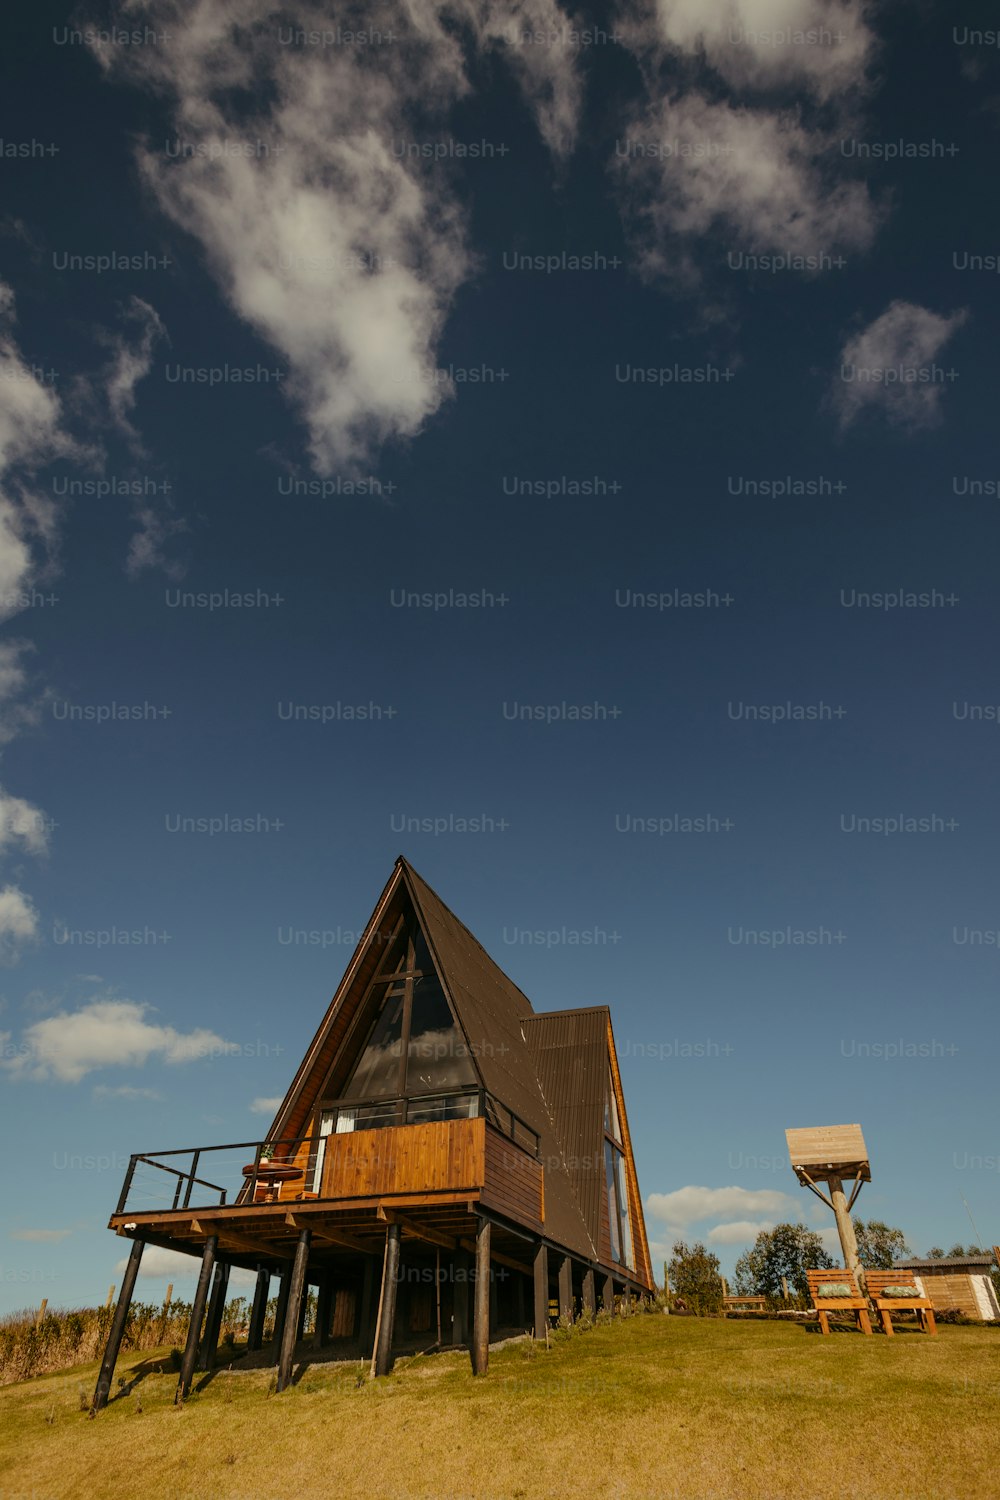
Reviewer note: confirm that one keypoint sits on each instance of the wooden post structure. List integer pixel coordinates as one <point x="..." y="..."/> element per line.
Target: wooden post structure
<point x="382" y="1358"/>
<point x="541" y="1279"/>
<point x="281" y="1309"/>
<point x="366" y="1335"/>
<point x="784" y="1287"/>
<point x="589" y="1299"/>
<point x="197" y="1313"/>
<point x="103" y="1387"/>
<point x="324" y="1307"/>
<point x="608" y="1294"/>
<point x="460" y="1298"/>
<point x="111" y="1296"/>
<point x="828" y="1154"/>
<point x="481" y="1321"/>
<point x="297" y="1285"/>
<point x="566" y="1288"/>
<point x="40" y="1314"/>
<point x="213" y="1322"/>
<point x="258" y="1312"/>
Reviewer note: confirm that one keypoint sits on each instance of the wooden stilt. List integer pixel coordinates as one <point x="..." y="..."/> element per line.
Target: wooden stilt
<point x="382" y="1359"/>
<point x="213" y="1322"/>
<point x="255" y="1333"/>
<point x="481" y="1319"/>
<point x="460" y="1300"/>
<point x="845" y="1228"/>
<point x="281" y="1310"/>
<point x="106" y="1375"/>
<point x="608" y="1294"/>
<point x="541" y="1288"/>
<point x="297" y="1286"/>
<point x="366" y="1321"/>
<point x="589" y="1298"/>
<point x="324" y="1307"/>
<point x="566" y="1287"/>
<point x="197" y="1313"/>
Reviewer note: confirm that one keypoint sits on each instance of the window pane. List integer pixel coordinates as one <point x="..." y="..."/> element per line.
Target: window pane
<point x="377" y="1071"/>
<point x="611" y="1124"/>
<point x="437" y="1057"/>
<point x="443" y="1107"/>
<point x="621" y="1189"/>
<point x="609" y="1173"/>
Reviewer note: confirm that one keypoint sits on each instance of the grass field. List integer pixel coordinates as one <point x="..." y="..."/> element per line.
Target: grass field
<point x="647" y="1406"/>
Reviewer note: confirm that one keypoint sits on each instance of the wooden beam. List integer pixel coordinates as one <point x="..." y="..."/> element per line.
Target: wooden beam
<point x="323" y="1234"/>
<point x="297" y="1282"/>
<point x="541" y="1279"/>
<point x="255" y="1333"/>
<point x="194" y="1326"/>
<point x="382" y="1360"/>
<point x="213" y="1322"/>
<point x="608" y="1294"/>
<point x="501" y="1259"/>
<point x="481" y="1314"/>
<point x="236" y="1241"/>
<point x="103" y="1387"/>
<point x="418" y="1230"/>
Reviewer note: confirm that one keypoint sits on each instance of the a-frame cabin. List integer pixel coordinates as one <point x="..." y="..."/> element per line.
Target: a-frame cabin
<point x="446" y="1165"/>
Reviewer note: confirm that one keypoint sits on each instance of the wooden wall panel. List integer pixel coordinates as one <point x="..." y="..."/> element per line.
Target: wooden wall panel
<point x="513" y="1182"/>
<point x="440" y="1156"/>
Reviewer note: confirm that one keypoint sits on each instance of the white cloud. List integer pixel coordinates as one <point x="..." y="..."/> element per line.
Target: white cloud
<point x="105" y="1033"/>
<point x="891" y="367"/>
<point x="131" y="361"/>
<point x="41" y="1236"/>
<point x="824" y="46"/>
<point x="686" y="1207"/>
<point x="158" y="1264"/>
<point x="338" y="249"/>
<point x="716" y="163"/>
<point x="266" y="1106"/>
<point x="20" y="705"/>
<point x="21" y="822"/>
<point x="124" y="1091"/>
<point x="739" y="1232"/>
<point x="752" y="180"/>
<point x="18" y="923"/>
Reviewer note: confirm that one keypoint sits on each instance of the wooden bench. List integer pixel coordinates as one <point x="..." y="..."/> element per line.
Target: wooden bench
<point x="734" y="1303"/>
<point x="824" y="1306"/>
<point x="923" y="1306"/>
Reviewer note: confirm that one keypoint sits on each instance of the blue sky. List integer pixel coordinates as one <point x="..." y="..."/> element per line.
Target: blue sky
<point x="562" y="458"/>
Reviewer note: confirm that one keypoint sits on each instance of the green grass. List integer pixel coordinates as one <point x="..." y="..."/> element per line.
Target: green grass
<point x="651" y="1406"/>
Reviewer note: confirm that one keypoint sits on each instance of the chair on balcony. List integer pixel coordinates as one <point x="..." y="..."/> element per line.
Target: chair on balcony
<point x="836" y="1291"/>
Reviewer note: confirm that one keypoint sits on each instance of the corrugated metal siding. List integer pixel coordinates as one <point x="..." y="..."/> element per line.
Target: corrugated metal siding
<point x="569" y="1051"/>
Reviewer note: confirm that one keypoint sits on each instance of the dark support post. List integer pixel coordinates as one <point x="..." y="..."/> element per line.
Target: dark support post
<point x="481" y="1320"/>
<point x="589" y="1299"/>
<point x="255" y="1333"/>
<point x="297" y="1284"/>
<point x="213" y="1323"/>
<point x="366" y="1328"/>
<point x="387" y="1301"/>
<point x="281" y="1308"/>
<point x="566" y="1288"/>
<point x="197" y="1313"/>
<point x="460" y="1298"/>
<point x="324" y="1307"/>
<point x="608" y="1294"/>
<point x="541" y="1290"/>
<point x="104" y="1379"/>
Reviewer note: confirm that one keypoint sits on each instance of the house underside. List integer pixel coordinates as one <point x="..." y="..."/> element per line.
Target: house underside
<point x="447" y="1164"/>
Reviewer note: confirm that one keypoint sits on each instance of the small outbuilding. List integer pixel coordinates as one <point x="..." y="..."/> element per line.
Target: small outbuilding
<point x="957" y="1283"/>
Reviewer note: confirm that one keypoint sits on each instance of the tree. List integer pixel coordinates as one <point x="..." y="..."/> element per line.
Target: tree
<point x="935" y="1253"/>
<point x="694" y="1277"/>
<point x="879" y="1246"/>
<point x="787" y="1250"/>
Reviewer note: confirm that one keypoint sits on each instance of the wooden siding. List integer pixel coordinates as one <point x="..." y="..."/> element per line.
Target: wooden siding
<point x="824" y="1146"/>
<point x="439" y="1156"/>
<point x="512" y="1184"/>
<point x="951" y="1292"/>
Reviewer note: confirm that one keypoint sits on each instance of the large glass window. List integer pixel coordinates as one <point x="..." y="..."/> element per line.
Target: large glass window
<point x="437" y="1056"/>
<point x="609" y="1174"/>
<point x="621" y="1193"/>
<point x="377" y="1070"/>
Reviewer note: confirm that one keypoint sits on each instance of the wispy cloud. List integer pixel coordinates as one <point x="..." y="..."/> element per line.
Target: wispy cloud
<point x="124" y="1091"/>
<point x="19" y="925"/>
<point x="891" y="367"/>
<point x="742" y="1212"/>
<point x="337" y="246"/>
<point x="41" y="1236"/>
<point x="266" y="1106"/>
<point x="105" y="1034"/>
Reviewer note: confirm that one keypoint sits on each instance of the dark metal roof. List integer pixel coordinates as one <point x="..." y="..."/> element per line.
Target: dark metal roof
<point x="491" y="1010"/>
<point x="569" y="1052"/>
<point x="935" y="1262"/>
